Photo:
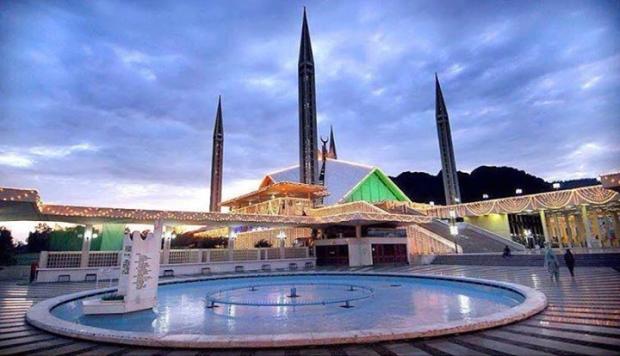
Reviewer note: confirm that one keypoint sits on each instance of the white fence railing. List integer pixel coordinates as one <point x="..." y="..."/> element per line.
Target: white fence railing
<point x="73" y="259"/>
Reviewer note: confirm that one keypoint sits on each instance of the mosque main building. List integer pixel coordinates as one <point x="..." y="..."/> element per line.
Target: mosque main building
<point x="322" y="181"/>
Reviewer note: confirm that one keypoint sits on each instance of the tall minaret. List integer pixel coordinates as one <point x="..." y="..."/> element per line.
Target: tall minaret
<point x="308" y="166"/>
<point x="332" y="145"/>
<point x="448" y="164"/>
<point x="217" y="160"/>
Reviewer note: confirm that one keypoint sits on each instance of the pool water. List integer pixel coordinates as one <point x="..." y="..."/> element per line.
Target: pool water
<point x="264" y="305"/>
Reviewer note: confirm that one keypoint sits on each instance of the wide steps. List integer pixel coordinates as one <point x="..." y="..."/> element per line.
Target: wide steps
<point x="470" y="240"/>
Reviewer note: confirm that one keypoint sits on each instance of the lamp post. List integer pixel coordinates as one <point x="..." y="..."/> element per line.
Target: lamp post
<point x="454" y="230"/>
<point x="282" y="238"/>
<point x="528" y="236"/>
<point x="168" y="236"/>
<point x="232" y="236"/>
<point x="485" y="196"/>
<point x="519" y="191"/>
<point x="88" y="234"/>
<point x="556" y="185"/>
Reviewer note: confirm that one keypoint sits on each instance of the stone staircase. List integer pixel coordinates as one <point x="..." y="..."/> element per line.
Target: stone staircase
<point x="473" y="239"/>
<point x="529" y="259"/>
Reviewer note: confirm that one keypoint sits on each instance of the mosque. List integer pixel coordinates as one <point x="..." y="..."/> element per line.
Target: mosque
<point x="348" y="213"/>
<point x="320" y="179"/>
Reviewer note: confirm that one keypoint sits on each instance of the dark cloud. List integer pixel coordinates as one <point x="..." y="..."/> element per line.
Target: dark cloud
<point x="134" y="87"/>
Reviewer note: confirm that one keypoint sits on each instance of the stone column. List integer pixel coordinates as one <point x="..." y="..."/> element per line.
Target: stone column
<point x="569" y="230"/>
<point x="43" y="259"/>
<point x="596" y="230"/>
<point x="282" y="248"/>
<point x="165" y="259"/>
<point x="587" y="228"/>
<point x="88" y="234"/>
<point x="543" y="222"/>
<point x="616" y="224"/>
<point x="558" y="228"/>
<point x="581" y="229"/>
<point x="358" y="231"/>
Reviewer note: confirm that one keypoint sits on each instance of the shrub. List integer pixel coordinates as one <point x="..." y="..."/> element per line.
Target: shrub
<point x="7" y="248"/>
<point x="262" y="243"/>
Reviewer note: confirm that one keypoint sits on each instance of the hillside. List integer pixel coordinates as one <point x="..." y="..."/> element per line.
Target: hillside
<point x="497" y="182"/>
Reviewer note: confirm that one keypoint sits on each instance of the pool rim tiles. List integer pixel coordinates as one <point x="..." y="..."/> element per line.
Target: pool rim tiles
<point x="40" y="316"/>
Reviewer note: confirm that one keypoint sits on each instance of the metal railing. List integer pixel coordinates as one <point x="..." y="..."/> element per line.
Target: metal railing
<point x="73" y="259"/>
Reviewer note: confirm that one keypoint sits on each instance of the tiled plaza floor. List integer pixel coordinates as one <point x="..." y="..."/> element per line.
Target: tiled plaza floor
<point x="583" y="318"/>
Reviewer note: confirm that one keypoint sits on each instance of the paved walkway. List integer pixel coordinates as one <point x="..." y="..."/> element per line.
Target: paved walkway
<point x="583" y="318"/>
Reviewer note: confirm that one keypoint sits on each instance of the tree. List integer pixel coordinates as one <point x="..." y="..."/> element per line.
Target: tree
<point x="38" y="240"/>
<point x="190" y="240"/>
<point x="7" y="248"/>
<point x="66" y="239"/>
<point x="262" y="243"/>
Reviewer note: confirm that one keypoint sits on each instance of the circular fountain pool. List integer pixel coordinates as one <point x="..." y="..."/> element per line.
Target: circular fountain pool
<point x="297" y="309"/>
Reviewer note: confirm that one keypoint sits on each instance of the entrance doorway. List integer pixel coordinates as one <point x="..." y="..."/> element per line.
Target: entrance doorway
<point x="337" y="255"/>
<point x="389" y="253"/>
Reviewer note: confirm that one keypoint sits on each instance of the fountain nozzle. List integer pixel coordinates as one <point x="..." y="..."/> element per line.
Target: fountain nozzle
<point x="293" y="293"/>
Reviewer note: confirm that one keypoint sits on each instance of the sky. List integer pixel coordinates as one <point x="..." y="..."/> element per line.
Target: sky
<point x="112" y="103"/>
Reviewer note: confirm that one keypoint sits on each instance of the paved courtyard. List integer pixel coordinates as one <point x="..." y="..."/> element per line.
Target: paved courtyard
<point x="583" y="318"/>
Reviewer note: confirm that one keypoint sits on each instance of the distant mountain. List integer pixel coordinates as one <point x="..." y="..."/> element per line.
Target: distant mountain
<point x="497" y="182"/>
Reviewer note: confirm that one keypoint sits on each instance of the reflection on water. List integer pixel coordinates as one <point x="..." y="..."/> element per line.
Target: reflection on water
<point x="465" y="306"/>
<point x="394" y="302"/>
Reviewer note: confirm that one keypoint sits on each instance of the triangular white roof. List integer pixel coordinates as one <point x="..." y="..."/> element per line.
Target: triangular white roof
<point x="340" y="177"/>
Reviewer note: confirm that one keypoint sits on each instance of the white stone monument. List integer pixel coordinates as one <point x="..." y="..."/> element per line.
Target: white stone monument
<point x="139" y="276"/>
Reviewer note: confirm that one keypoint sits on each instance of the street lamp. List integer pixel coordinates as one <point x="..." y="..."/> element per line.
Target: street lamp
<point x="281" y="235"/>
<point x="282" y="238"/>
<point x="431" y="203"/>
<point x="519" y="191"/>
<point x="556" y="185"/>
<point x="485" y="196"/>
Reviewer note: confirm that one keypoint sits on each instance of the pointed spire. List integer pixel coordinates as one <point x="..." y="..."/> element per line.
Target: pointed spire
<point x="446" y="150"/>
<point x="332" y="144"/>
<point x="440" y="105"/>
<point x="305" y="47"/>
<point x="218" y="129"/>
<point x="217" y="160"/>
<point x="308" y="139"/>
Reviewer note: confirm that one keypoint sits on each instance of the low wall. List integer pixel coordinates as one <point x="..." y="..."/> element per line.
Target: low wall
<point x="106" y="273"/>
<point x="421" y="259"/>
<point x="14" y="272"/>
